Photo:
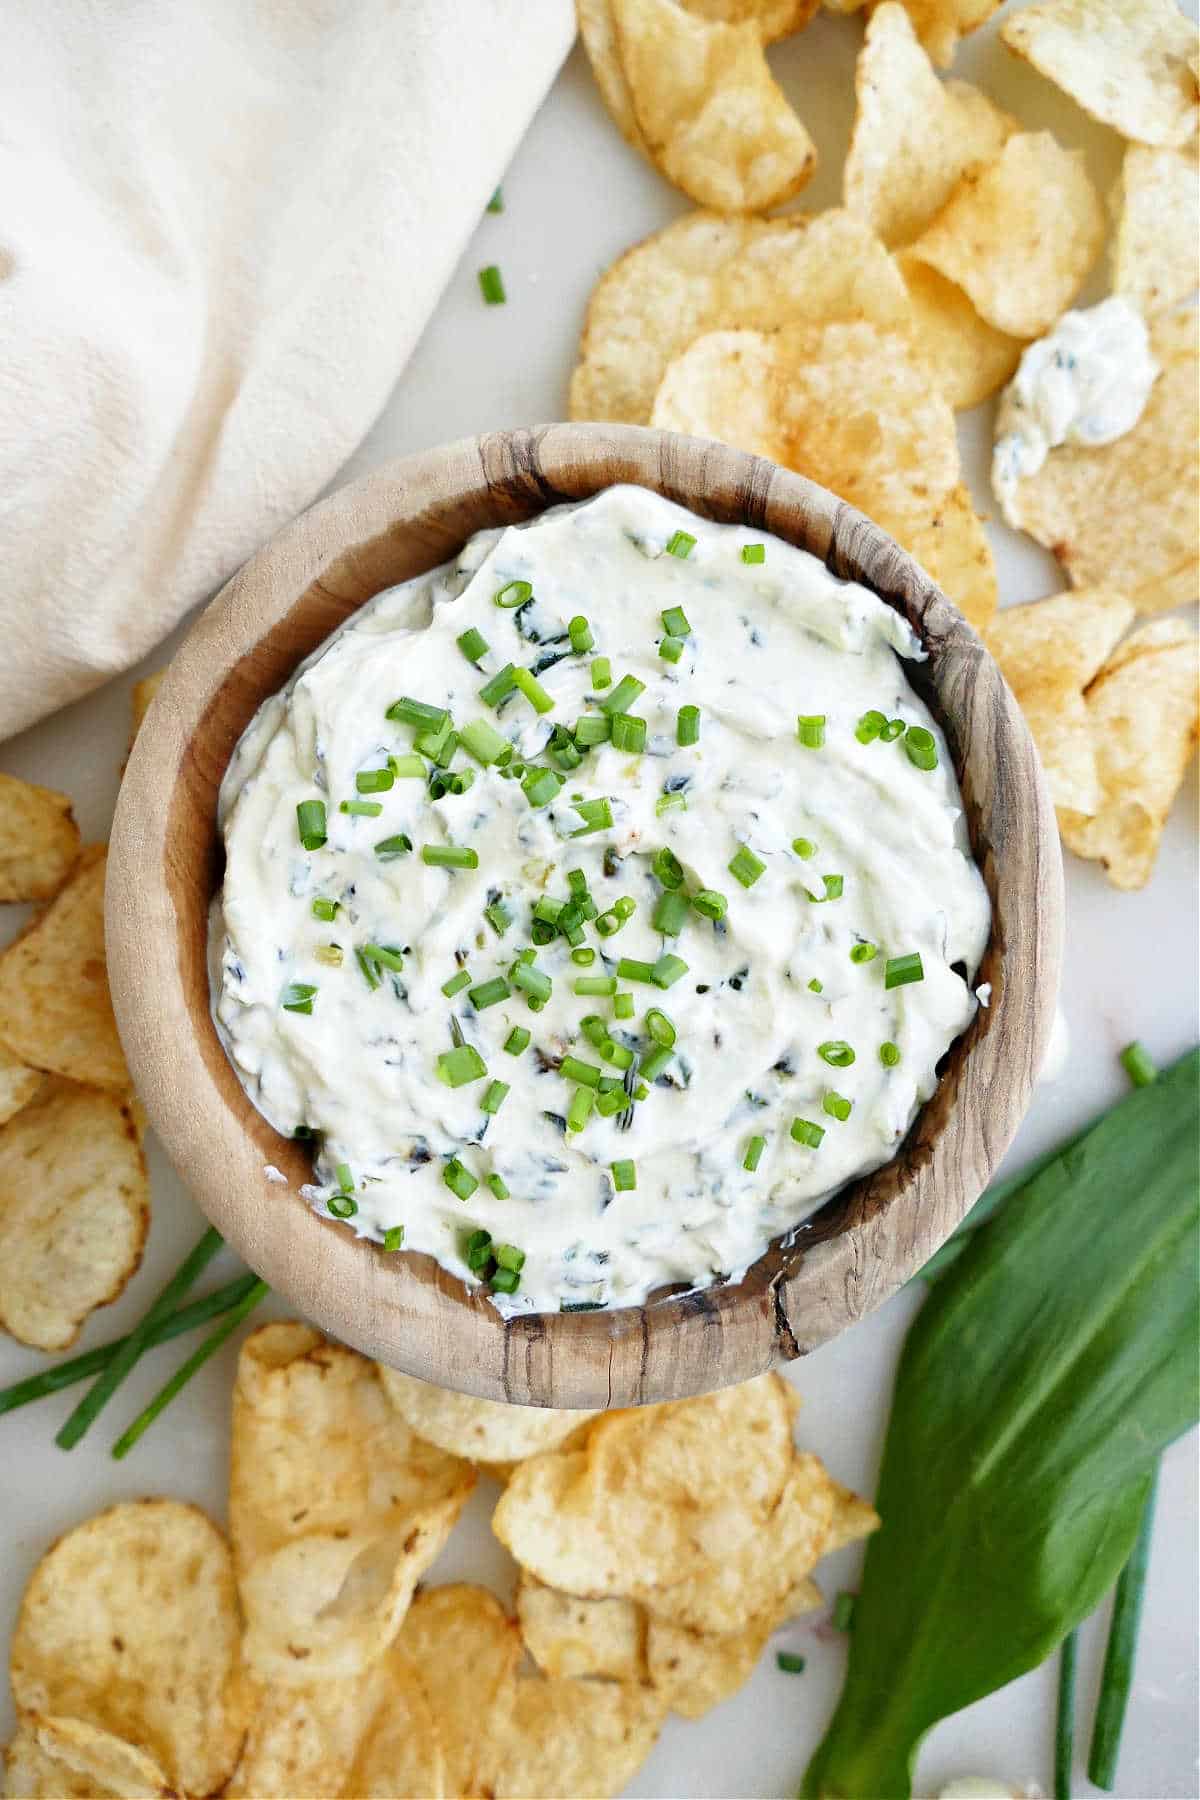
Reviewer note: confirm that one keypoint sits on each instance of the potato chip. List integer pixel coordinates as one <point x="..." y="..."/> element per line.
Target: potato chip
<point x="32" y="1772"/>
<point x="914" y="136"/>
<point x="705" y="273"/>
<point x="55" y="1010"/>
<point x="1144" y="712"/>
<point x="39" y="840"/>
<point x="1127" y="62"/>
<point x="74" y="1211"/>
<point x="482" y="1431"/>
<point x="939" y="24"/>
<point x="1157" y="210"/>
<point x="336" y="1507"/>
<point x="711" y="113"/>
<point x="568" y="1635"/>
<point x="969" y="359"/>
<point x="580" y="1738"/>
<point x="694" y="1671"/>
<point x="19" y="1084"/>
<point x="68" y="1757"/>
<point x="466" y="1650"/>
<point x="852" y="408"/>
<point x="1019" y="234"/>
<point x="1048" y="652"/>
<point x="129" y="1627"/>
<point x="1124" y="514"/>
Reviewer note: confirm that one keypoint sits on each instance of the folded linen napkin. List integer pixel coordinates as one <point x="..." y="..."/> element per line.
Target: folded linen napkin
<point x="223" y="226"/>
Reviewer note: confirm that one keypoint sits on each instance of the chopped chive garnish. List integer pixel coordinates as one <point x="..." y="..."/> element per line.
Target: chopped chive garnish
<point x="393" y="1238"/>
<point x="440" y="745"/>
<point x="611" y="1100"/>
<point x="473" y="644"/>
<point x="898" y="971"/>
<point x="592" y="729"/>
<point x="498" y="1186"/>
<point x="459" y="1179"/>
<point x="310" y="823"/>
<point x="668" y="970"/>
<point x="384" y="957"/>
<point x="491" y="285"/>
<point x="540" y="786"/>
<point x="889" y="1054"/>
<point x="920" y="746"/>
<point x="534" y="692"/>
<point x="509" y="1257"/>
<point x="572" y="1068"/>
<point x="498" y="916"/>
<point x="499" y="686"/>
<point x="362" y="809"/>
<point x="330" y="955"/>
<point x="810" y="729"/>
<point x="670" y="649"/>
<point x="892" y="730"/>
<point x="601" y="672"/>
<point x="477" y="1251"/>
<point x="619" y="1055"/>
<point x="327" y="910"/>
<point x="593" y="1028"/>
<point x="597" y="815"/>
<point x="843" y="1612"/>
<point x="624" y="1175"/>
<point x="834" y="886"/>
<point x="652" y="1065"/>
<point x="625" y="907"/>
<point x="513" y="594"/>
<point x="836" y="1105"/>
<point x="671" y="912"/>
<point x="753" y="1156"/>
<point x="459" y="783"/>
<point x="456" y="983"/>
<point x="754" y="553"/>
<point x="623" y="695"/>
<point x="481" y="740"/>
<point x="489" y="993"/>
<point x="370" y="974"/>
<point x="836" y="1052"/>
<point x="804" y="848"/>
<point x="374" y="781"/>
<point x="496" y="203"/>
<point x="864" y="953"/>
<point x="462" y="1064"/>
<point x="298" y="996"/>
<point x="496" y="1095"/>
<point x="563" y="749"/>
<point x="815" y="986"/>
<point x="786" y="1660"/>
<point x="580" y="1109"/>
<point x="345" y="1177"/>
<point x="532" y="981"/>
<point x="387" y="849"/>
<point x="673" y="801"/>
<point x="449" y="856"/>
<point x="628" y="732"/>
<point x="806" y="1133"/>
<point x="408" y="711"/>
<point x="549" y="909"/>
<point x="406" y="766"/>
<point x="687" y="726"/>
<point x="667" y="868"/>
<point x="870" y="726"/>
<point x="1137" y="1064"/>
<point x="595" y="984"/>
<point x="584" y="957"/>
<point x="710" y="904"/>
<point x="517" y="1040"/>
<point x="745" y="866"/>
<point x="580" y="634"/>
<point x="622" y="1006"/>
<point x="342" y="1206"/>
<point x="680" y="543"/>
<point x="675" y="622"/>
<point x="505" y="1281"/>
<point x="660" y="1027"/>
<point x="630" y="969"/>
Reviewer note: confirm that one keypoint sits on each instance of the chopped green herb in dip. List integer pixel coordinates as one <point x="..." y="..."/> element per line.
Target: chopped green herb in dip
<point x="634" y="1124"/>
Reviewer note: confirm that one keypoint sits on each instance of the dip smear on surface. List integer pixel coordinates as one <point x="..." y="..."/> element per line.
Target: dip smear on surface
<point x="616" y="974"/>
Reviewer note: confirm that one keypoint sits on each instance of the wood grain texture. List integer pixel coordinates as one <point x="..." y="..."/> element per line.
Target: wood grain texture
<point x="165" y="865"/>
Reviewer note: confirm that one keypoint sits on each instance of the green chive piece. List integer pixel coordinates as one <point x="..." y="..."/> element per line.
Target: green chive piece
<point x="680" y="543"/>
<point x="815" y="986"/>
<point x="491" y="285"/>
<point x="864" y="953"/>
<point x="387" y="849"/>
<point x="489" y="993"/>
<point x="593" y="1028"/>
<point x="481" y="740"/>
<point x="671" y="912"/>
<point x="675" y="622"/>
<point x="540" y="786"/>
<point x="668" y="970"/>
<point x="611" y="1101"/>
<point x="362" y="809"/>
<point x="898" y="971"/>
<point x="477" y="1251"/>
<point x="460" y="1065"/>
<point x="622" y="1006"/>
<point x="498" y="1186"/>
<point x="580" y="1109"/>
<point x="670" y="649"/>
<point x="660" y="1027"/>
<point x="505" y="1281"/>
<point x="786" y="1660"/>
<point x="517" y="1040"/>
<point x="573" y="1068"/>
<point x="628" y="733"/>
<point x="595" y="984"/>
<point x="843" y="1612"/>
<point x="407" y="711"/>
<point x="345" y="1177"/>
<point x="836" y="1052"/>
<point x="920" y="746"/>
<point x="754" y="553"/>
<point x="674" y="801"/>
<point x="592" y="729"/>
<point x="619" y="1055"/>
<point x="810" y="729"/>
<point x="310" y="823"/>
<point x="473" y="645"/>
<point x="449" y="856"/>
<point x="509" y="1257"/>
<point x="889" y="1054"/>
<point x="1136" y="1062"/>
<point x="459" y="1179"/>
<point x="806" y="1133"/>
<point x="393" y="1238"/>
<point x="834" y="886"/>
<point x="892" y="730"/>
<point x="513" y="594"/>
<point x="804" y="848"/>
<point x="298" y="996"/>
<point x="456" y="983"/>
<point x="625" y="907"/>
<point x="369" y="973"/>
<point x="497" y="1093"/>
<point x="342" y="1206"/>
<point x="499" y="686"/>
<point x="440" y="745"/>
<point x="534" y="692"/>
<point x="601" y="672"/>
<point x="384" y="956"/>
<point x="496" y="203"/>
<point x="623" y="695"/>
<point x="837" y="1106"/>
<point x="406" y="766"/>
<point x="630" y="969"/>
<point x="745" y="866"/>
<point x="667" y="868"/>
<point x="374" y="781"/>
<point x="624" y="1175"/>
<point x="652" y="1066"/>
<point x="532" y="981"/>
<point x="870" y="726"/>
<point x="327" y="910"/>
<point x="580" y="634"/>
<point x="1120" y="1651"/>
<point x="753" y="1156"/>
<point x="329" y="954"/>
<point x="563" y="749"/>
<point x="186" y="1370"/>
<point x="597" y="815"/>
<point x="498" y="916"/>
<point x="710" y="904"/>
<point x="687" y="726"/>
<point x="583" y="958"/>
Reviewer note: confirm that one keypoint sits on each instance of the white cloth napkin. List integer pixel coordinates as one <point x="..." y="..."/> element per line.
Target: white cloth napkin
<point x="223" y="224"/>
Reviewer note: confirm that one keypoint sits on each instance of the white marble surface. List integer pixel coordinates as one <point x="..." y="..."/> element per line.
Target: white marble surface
<point x="575" y="197"/>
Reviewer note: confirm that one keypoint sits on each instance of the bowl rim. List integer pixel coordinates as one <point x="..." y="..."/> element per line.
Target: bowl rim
<point x="406" y="516"/>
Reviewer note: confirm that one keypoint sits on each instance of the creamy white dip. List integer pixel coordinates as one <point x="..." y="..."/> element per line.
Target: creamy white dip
<point x="858" y="847"/>
<point x="1086" y="383"/>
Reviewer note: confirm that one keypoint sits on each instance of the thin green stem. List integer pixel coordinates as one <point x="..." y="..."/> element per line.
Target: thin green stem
<point x="1120" y="1652"/>
<point x="1064" y="1724"/>
<point x="183" y="1375"/>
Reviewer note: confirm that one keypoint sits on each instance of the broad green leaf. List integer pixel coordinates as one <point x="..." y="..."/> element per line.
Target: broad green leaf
<point x="1038" y="1384"/>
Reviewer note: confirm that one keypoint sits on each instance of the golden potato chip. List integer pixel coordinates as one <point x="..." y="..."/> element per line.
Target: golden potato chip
<point x="1019" y="234"/>
<point x="55" y="1010"/>
<point x="32" y="1772"/>
<point x="706" y="273"/>
<point x="336" y="1507"/>
<point x="694" y="1671"/>
<point x="482" y="1431"/>
<point x="969" y="359"/>
<point x="586" y="1739"/>
<point x="853" y="408"/>
<point x="39" y="840"/>
<point x="939" y="24"/>
<point x="129" y="1627"/>
<point x="19" y="1084"/>
<point x="1144" y="711"/>
<point x="1048" y="652"/>
<point x="853" y="1519"/>
<point x="568" y="1635"/>
<point x="711" y="113"/>
<point x="74" y="1211"/>
<point x="1127" y="62"/>
<point x="466" y="1650"/>
<point x="1157" y="211"/>
<point x="1124" y="514"/>
<point x="914" y="136"/>
<point x="68" y="1757"/>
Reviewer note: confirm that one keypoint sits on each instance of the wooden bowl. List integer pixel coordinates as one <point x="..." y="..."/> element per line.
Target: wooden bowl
<point x="166" y="864"/>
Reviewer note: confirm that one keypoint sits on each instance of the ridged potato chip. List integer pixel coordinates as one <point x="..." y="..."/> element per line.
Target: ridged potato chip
<point x="55" y="1010"/>
<point x="1129" y="63"/>
<point x="39" y="840"/>
<point x="74" y="1211"/>
<point x="969" y="359"/>
<point x="1157" y="211"/>
<point x="914" y="136"/>
<point x="128" y="1631"/>
<point x="1124" y="514"/>
<point x="336" y="1507"/>
<point x="1144" y="711"/>
<point x="19" y="1084"/>
<point x="706" y="273"/>
<point x="466" y="1650"/>
<point x="1048" y="652"/>
<point x="482" y="1431"/>
<point x="586" y="1739"/>
<point x="568" y="1635"/>
<point x="708" y="108"/>
<point x="1019" y="234"/>
<point x="854" y="409"/>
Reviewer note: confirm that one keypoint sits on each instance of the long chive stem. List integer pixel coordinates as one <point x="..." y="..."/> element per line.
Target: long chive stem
<point x="1120" y="1652"/>
<point x="1064" y="1722"/>
<point x="183" y="1375"/>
